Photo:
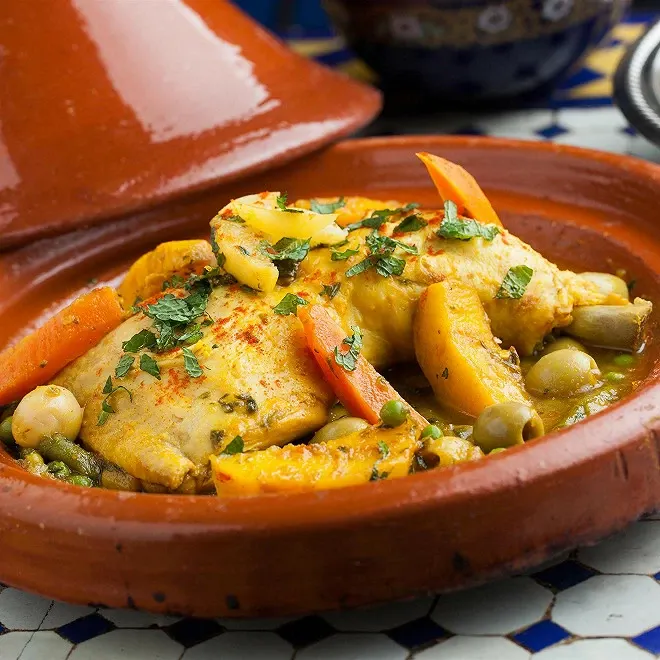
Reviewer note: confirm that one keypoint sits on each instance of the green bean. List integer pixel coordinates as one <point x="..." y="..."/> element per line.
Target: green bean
<point x="5" y="431"/>
<point x="79" y="480"/>
<point x="58" y="448"/>
<point x="59" y="469"/>
<point x="115" y="478"/>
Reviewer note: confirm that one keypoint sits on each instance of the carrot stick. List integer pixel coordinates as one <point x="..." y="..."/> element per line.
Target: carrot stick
<point x="459" y="186"/>
<point x="66" y="336"/>
<point x="364" y="391"/>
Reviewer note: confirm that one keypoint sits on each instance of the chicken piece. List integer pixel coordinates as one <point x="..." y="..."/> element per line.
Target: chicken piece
<point x="252" y="357"/>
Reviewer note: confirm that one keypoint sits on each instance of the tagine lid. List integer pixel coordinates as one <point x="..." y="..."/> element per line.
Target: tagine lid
<point x="110" y="107"/>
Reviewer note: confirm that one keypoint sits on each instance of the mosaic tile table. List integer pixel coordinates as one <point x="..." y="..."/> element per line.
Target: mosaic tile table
<point x="599" y="603"/>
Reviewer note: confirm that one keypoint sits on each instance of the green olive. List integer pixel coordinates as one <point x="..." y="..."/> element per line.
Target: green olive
<point x="504" y="425"/>
<point x="562" y="343"/>
<point x="563" y="373"/>
<point x="337" y="412"/>
<point x="607" y="283"/>
<point x="5" y="430"/>
<point x="393" y="413"/>
<point x="339" y="428"/>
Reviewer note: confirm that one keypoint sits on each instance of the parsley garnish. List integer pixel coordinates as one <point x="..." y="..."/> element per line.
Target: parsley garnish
<point x="463" y="229"/>
<point x="383" y="449"/>
<point x="335" y="255"/>
<point x="382" y="258"/>
<point x="106" y="408"/>
<point x="289" y="304"/>
<point x="234" y="218"/>
<point x="411" y="223"/>
<point x="149" y="365"/>
<point x="175" y="283"/>
<point x="124" y="365"/>
<point x="377" y="476"/>
<point x="349" y="359"/>
<point x="445" y="373"/>
<point x="295" y="249"/>
<point x="143" y="339"/>
<point x="282" y="204"/>
<point x="515" y="282"/>
<point x="377" y="218"/>
<point x="236" y="446"/>
<point x="243" y="250"/>
<point x="329" y="207"/>
<point x="191" y="364"/>
<point x="330" y="290"/>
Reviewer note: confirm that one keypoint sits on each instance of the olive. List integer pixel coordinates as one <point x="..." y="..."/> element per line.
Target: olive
<point x="337" y="412"/>
<point x="393" y="413"/>
<point x="507" y="424"/>
<point x="5" y="430"/>
<point x="607" y="283"/>
<point x="339" y="428"/>
<point x="563" y="373"/>
<point x="562" y="343"/>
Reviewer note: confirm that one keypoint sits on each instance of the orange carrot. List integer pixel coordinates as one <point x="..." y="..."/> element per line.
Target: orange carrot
<point x="363" y="391"/>
<point x="459" y="186"/>
<point x="66" y="336"/>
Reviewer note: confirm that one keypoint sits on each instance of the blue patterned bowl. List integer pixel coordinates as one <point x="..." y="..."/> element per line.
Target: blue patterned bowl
<point x="472" y="50"/>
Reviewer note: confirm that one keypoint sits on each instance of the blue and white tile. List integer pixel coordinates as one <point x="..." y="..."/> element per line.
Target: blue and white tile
<point x="242" y="645"/>
<point x="474" y="648"/>
<point x="521" y="124"/>
<point x="12" y="644"/>
<point x="356" y="646"/>
<point x="272" y="623"/>
<point x="609" y="606"/>
<point x="20" y="610"/>
<point x="499" y="608"/>
<point x="62" y="613"/>
<point x="635" y="551"/>
<point x="46" y="644"/>
<point x="383" y="617"/>
<point x="135" y="619"/>
<point x="640" y="147"/>
<point x="603" y="140"/>
<point x="594" y="649"/>
<point x="595" y="120"/>
<point x="128" y="645"/>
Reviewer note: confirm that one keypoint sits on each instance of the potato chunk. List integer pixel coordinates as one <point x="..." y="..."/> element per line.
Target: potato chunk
<point x="375" y="453"/>
<point x="456" y="350"/>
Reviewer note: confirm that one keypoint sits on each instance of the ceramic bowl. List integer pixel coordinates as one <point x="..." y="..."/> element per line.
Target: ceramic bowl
<point x="443" y="50"/>
<point x="108" y="107"/>
<point x="439" y="530"/>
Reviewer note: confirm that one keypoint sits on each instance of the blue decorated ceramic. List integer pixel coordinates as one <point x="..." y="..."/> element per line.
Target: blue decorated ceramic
<point x="472" y="50"/>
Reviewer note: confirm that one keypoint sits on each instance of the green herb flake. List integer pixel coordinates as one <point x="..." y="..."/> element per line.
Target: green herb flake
<point x="378" y="218"/>
<point x="191" y="364"/>
<point x="234" y="218"/>
<point x="330" y="290"/>
<point x="289" y="304"/>
<point x="328" y="207"/>
<point x="107" y="388"/>
<point x="282" y="204"/>
<point x="377" y="476"/>
<point x="445" y="373"/>
<point x="515" y="282"/>
<point x="463" y="229"/>
<point x="295" y="249"/>
<point x="124" y="366"/>
<point x="106" y="408"/>
<point x="336" y="255"/>
<point x="349" y="359"/>
<point x="411" y="223"/>
<point x="382" y="257"/>
<point x="243" y="250"/>
<point x="149" y="365"/>
<point x="383" y="449"/>
<point x="143" y="339"/>
<point x="236" y="446"/>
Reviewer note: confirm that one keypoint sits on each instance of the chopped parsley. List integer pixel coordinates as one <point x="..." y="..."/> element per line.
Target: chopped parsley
<point x="236" y="446"/>
<point x="381" y="256"/>
<point x="295" y="249"/>
<point x="243" y="250"/>
<point x="249" y="402"/>
<point x="289" y="304"/>
<point x="282" y="204"/>
<point x="463" y="229"/>
<point x="124" y="365"/>
<point x="349" y="359"/>
<point x="445" y="373"/>
<point x="329" y="207"/>
<point x="413" y="222"/>
<point x="515" y="282"/>
<point x="330" y="290"/>
<point x="377" y="476"/>
<point x="143" y="339"/>
<point x="175" y="283"/>
<point x="377" y="218"/>
<point x="191" y="364"/>
<point x="234" y="218"/>
<point x="149" y="365"/>
<point x="383" y="449"/>
<point x="335" y="255"/>
<point x="106" y="408"/>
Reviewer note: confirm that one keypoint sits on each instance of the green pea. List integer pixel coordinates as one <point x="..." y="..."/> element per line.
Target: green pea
<point x="614" y="376"/>
<point x="431" y="431"/>
<point x="393" y="413"/>
<point x="5" y="430"/>
<point x="624" y="360"/>
<point x="79" y="480"/>
<point x="59" y="469"/>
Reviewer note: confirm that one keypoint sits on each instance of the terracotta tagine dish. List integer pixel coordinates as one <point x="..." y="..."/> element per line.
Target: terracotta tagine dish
<point x="281" y="553"/>
<point x="109" y="107"/>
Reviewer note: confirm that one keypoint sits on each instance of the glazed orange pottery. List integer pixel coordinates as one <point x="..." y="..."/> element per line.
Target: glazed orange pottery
<point x="439" y="530"/>
<point x="113" y="105"/>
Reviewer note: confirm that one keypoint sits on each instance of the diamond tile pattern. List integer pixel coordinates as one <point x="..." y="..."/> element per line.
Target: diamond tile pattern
<point x="600" y="603"/>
